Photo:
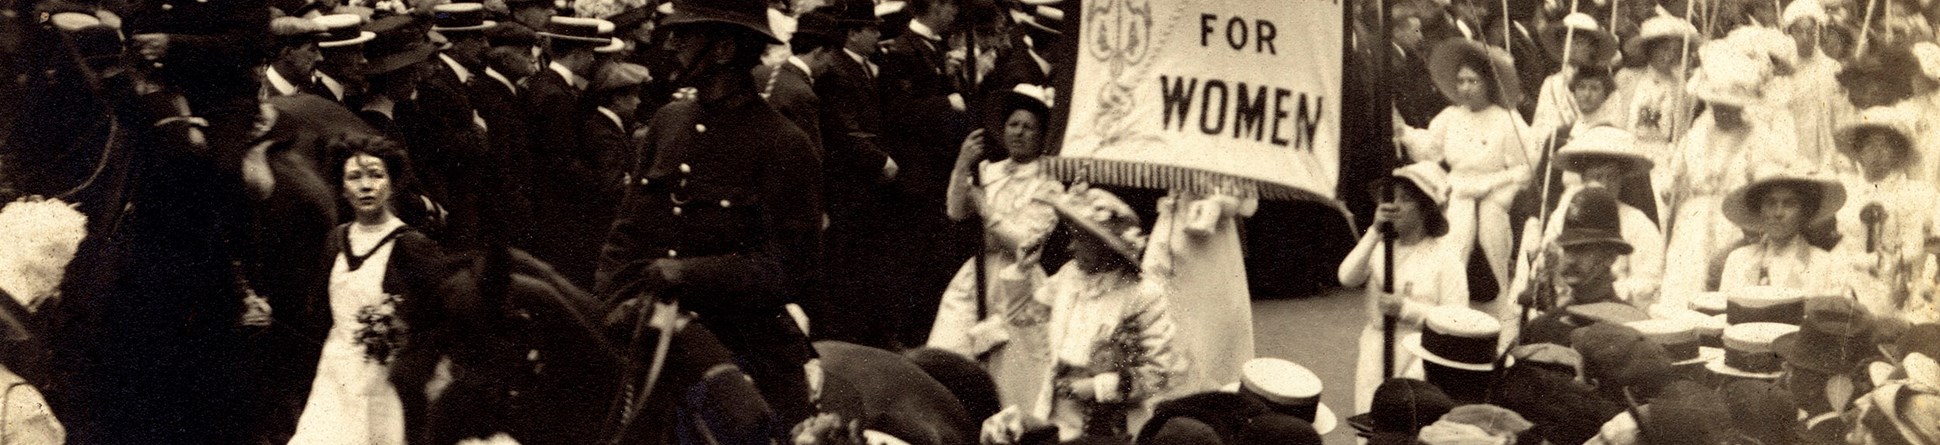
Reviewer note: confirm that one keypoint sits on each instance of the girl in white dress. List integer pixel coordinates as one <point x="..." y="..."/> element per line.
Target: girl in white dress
<point x="379" y="257"/>
<point x="1427" y="272"/>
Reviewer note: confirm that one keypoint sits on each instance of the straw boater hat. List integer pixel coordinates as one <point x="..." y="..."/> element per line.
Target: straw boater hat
<point x="595" y="32"/>
<point x="1456" y="337"/>
<point x="1659" y="28"/>
<point x="1584" y="27"/>
<point x="751" y="15"/>
<point x="1103" y="216"/>
<point x="1288" y="388"/>
<point x="455" y="17"/>
<point x="1831" y="195"/>
<point x="619" y="75"/>
<point x="1449" y="56"/>
<point x="1894" y="121"/>
<point x="1680" y="340"/>
<point x="1604" y="144"/>
<point x="400" y="42"/>
<point x="342" y="30"/>
<point x="1748" y="351"/>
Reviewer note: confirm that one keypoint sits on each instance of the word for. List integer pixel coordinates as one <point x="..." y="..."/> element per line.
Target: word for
<point x="1238" y="30"/>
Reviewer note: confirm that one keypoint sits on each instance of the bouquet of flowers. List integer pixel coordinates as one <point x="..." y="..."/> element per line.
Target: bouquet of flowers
<point x="381" y="332"/>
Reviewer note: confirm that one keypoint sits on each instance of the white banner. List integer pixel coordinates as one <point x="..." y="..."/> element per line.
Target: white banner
<point x="1249" y="88"/>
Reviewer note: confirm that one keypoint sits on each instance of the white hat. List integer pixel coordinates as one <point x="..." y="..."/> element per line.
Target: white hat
<point x="1288" y="385"/>
<point x="1457" y="337"/>
<point x="1804" y="10"/>
<point x="1679" y="338"/>
<point x="1750" y="344"/>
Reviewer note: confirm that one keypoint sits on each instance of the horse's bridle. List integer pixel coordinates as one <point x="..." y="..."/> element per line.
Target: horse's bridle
<point x="664" y="317"/>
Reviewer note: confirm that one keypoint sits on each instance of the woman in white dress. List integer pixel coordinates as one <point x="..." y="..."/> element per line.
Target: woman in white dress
<point x="1427" y="271"/>
<point x="1780" y="208"/>
<point x="1013" y="200"/>
<point x="380" y="261"/>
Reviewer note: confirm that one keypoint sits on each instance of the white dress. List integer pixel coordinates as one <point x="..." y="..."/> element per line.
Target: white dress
<point x="1711" y="163"/>
<point x="1016" y="213"/>
<point x="1427" y="272"/>
<point x="352" y="401"/>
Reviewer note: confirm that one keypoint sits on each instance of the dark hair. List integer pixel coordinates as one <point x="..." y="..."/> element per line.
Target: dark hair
<point x="1811" y="197"/>
<point x="1433" y="223"/>
<point x="396" y="161"/>
<point x="502" y="57"/>
<point x="1598" y="75"/>
<point x="749" y="46"/>
<point x="1484" y="69"/>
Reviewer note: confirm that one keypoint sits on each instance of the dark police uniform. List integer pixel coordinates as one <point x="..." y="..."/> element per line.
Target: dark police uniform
<point x="728" y="192"/>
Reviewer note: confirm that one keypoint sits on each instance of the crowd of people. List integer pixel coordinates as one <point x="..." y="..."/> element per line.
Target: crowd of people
<point x="1653" y="222"/>
<point x="1613" y="222"/>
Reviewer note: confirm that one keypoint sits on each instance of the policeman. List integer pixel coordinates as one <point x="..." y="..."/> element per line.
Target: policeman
<point x="725" y="185"/>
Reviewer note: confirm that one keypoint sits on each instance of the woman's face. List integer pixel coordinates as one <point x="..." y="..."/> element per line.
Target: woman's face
<point x="1590" y="94"/>
<point x="1406" y="214"/>
<point x="1471" y="89"/>
<point x="1021" y="135"/>
<point x="1877" y="155"/>
<point x="1805" y="35"/>
<point x="1664" y="55"/>
<point x="1091" y="254"/>
<point x="367" y="185"/>
<point x="1783" y="210"/>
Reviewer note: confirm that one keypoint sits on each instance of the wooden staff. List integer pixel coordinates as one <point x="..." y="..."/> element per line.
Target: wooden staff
<point x="976" y="173"/>
<point x="1865" y="30"/>
<point x="1388" y="321"/>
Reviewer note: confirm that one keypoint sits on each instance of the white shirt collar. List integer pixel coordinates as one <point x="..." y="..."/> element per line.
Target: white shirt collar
<point x="611" y="115"/>
<point x="803" y="64"/>
<point x="1042" y="65"/>
<point x="917" y="26"/>
<point x="571" y="78"/>
<point x="277" y="83"/>
<point x="336" y="88"/>
<point x="502" y="80"/>
<point x="464" y="74"/>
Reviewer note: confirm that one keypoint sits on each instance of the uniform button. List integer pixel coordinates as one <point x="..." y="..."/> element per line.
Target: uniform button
<point x="726" y="204"/>
<point x="700" y="128"/>
<point x="167" y="6"/>
<point x="671" y="253"/>
<point x="684" y="168"/>
<point x="643" y="181"/>
<point x="532" y="355"/>
<point x="677" y="211"/>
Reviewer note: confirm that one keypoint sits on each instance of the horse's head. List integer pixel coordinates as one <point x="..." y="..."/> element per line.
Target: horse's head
<point x="526" y="354"/>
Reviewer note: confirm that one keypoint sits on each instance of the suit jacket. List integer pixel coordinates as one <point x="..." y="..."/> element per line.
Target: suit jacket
<point x="449" y="149"/>
<point x="507" y="159"/>
<point x="851" y="130"/>
<point x="791" y="92"/>
<point x="557" y="113"/>
<point x="922" y="129"/>
<point x="1415" y="96"/>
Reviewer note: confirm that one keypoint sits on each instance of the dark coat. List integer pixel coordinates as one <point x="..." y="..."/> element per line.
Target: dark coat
<point x="506" y="161"/>
<point x="922" y="132"/>
<point x="562" y="169"/>
<point x="851" y="130"/>
<point x="449" y="149"/>
<point x="860" y="205"/>
<point x="1414" y="92"/>
<point x="791" y="92"/>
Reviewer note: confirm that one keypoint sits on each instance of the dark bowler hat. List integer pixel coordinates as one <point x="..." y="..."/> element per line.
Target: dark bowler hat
<point x="1837" y="335"/>
<point x="751" y="15"/>
<point x="511" y="34"/>
<point x="400" y="42"/>
<point x="454" y="17"/>
<point x="1592" y="221"/>
<point x="1619" y="356"/>
<point x="1402" y="406"/>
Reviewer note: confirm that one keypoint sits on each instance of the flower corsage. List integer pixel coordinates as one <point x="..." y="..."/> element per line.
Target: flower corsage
<point x="380" y="332"/>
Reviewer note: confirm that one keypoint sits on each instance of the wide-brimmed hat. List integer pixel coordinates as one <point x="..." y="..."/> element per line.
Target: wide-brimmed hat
<point x="851" y="13"/>
<point x="1287" y="388"/>
<point x="1429" y="177"/>
<point x="457" y="17"/>
<point x="1102" y="215"/>
<point x="1593" y="221"/>
<point x="1894" y="121"/>
<point x="595" y="32"/>
<point x="1680" y="340"/>
<point x="1603" y="144"/>
<point x="1402" y="406"/>
<point x="1836" y="336"/>
<point x="1803" y="10"/>
<point x="1456" y="337"/>
<point x="1744" y="213"/>
<point x="342" y="30"/>
<point x="1717" y="84"/>
<point x="1748" y="351"/>
<point x="1582" y="27"/>
<point x="1659" y="28"/>
<point x="1449" y="56"/>
<point x="1610" y="312"/>
<point x="1035" y="98"/>
<point x="400" y="42"/>
<point x="751" y="15"/>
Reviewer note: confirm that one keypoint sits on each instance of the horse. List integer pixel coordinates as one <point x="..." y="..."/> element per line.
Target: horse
<point x="146" y="340"/>
<point x="531" y="356"/>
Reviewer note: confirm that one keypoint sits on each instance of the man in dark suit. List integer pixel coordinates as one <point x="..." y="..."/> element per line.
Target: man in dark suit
<point x="728" y="185"/>
<point x="789" y="89"/>
<point x="560" y="163"/>
<point x="340" y="75"/>
<point x="457" y="130"/>
<point x="924" y="120"/>
<point x="495" y="94"/>
<point x="1414" y="94"/>
<point x="856" y="172"/>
